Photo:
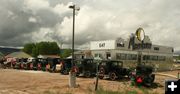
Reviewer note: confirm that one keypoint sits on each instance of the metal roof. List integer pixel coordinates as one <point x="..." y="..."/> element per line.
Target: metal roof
<point x="19" y="55"/>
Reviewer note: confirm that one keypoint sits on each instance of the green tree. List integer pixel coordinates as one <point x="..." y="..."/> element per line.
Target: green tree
<point x="44" y="48"/>
<point x="35" y="51"/>
<point x="28" y="47"/>
<point x="65" y="53"/>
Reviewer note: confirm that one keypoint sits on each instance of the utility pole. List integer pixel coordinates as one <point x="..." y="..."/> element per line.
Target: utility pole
<point x="72" y="74"/>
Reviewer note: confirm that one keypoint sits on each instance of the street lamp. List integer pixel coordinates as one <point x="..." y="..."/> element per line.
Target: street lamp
<point x="72" y="75"/>
<point x="74" y="7"/>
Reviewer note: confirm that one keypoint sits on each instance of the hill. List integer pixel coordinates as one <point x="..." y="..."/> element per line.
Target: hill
<point x="6" y="51"/>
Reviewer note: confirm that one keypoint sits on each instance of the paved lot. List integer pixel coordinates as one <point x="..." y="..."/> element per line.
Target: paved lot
<point x="37" y="82"/>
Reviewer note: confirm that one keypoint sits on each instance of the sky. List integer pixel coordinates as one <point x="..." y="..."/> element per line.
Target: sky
<point x="24" y="21"/>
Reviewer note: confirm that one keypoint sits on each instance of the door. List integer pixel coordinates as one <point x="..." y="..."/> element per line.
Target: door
<point x="108" y="55"/>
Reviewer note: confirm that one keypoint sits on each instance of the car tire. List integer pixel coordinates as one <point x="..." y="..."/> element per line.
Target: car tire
<point x="112" y="76"/>
<point x="87" y="74"/>
<point x="101" y="73"/>
<point x="65" y="72"/>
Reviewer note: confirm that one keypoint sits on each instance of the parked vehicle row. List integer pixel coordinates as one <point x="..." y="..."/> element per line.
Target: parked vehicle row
<point x="111" y="69"/>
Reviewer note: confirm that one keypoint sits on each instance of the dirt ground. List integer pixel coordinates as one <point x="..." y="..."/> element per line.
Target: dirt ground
<point x="37" y="82"/>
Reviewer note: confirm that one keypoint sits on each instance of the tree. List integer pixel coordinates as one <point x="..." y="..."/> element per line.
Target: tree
<point x="35" y="52"/>
<point x="28" y="48"/>
<point x="65" y="53"/>
<point x="44" y="48"/>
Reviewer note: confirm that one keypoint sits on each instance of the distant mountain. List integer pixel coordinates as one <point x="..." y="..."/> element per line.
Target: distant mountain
<point x="6" y="51"/>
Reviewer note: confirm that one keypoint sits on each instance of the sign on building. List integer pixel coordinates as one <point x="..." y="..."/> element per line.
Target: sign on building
<point x="97" y="45"/>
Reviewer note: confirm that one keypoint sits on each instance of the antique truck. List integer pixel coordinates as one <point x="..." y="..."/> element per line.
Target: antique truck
<point x="66" y="65"/>
<point x="112" y="69"/>
<point x="142" y="75"/>
<point x="25" y="64"/>
<point x="53" y="64"/>
<point x="86" y="67"/>
<point x="34" y="64"/>
<point x="20" y="64"/>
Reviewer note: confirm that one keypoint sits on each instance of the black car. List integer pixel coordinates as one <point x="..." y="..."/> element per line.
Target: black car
<point x="43" y="63"/>
<point x="52" y="62"/>
<point x="66" y="65"/>
<point x="25" y="64"/>
<point x="112" y="69"/>
<point x="18" y="64"/>
<point x="86" y="67"/>
<point x="34" y="64"/>
<point x="143" y="75"/>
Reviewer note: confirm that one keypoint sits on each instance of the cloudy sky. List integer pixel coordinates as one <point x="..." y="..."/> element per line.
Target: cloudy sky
<point x="24" y="21"/>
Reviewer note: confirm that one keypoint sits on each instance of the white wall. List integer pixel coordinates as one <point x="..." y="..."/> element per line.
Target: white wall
<point x="98" y="45"/>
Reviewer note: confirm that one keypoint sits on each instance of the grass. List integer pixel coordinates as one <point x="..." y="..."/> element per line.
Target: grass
<point x="137" y="90"/>
<point x="103" y="91"/>
<point x="53" y="92"/>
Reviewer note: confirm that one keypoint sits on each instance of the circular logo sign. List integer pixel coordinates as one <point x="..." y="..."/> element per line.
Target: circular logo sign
<point x="140" y="34"/>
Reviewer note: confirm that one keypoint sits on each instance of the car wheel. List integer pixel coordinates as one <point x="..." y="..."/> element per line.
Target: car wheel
<point x="101" y="73"/>
<point x="112" y="76"/>
<point x="65" y="72"/>
<point x="87" y="74"/>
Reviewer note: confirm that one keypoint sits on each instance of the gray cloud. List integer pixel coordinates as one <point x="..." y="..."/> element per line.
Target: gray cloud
<point x="37" y="20"/>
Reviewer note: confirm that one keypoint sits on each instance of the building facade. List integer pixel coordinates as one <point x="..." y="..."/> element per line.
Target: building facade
<point x="132" y="51"/>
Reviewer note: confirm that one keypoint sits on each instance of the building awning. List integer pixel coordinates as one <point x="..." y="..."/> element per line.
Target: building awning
<point x="48" y="56"/>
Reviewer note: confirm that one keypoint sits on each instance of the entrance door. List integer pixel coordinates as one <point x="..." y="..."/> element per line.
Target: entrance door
<point x="108" y="55"/>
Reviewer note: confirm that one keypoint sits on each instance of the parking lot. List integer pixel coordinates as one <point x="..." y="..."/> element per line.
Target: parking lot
<point x="37" y="82"/>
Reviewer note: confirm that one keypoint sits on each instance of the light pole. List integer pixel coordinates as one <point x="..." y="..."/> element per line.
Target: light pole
<point x="74" y="8"/>
<point x="72" y="74"/>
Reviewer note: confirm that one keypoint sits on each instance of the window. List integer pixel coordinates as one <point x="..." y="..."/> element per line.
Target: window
<point x="154" y="58"/>
<point x="134" y="57"/>
<point x="120" y="44"/>
<point x="146" y="57"/>
<point x="161" y="58"/>
<point x="98" y="55"/>
<point x="131" y="57"/>
<point x="118" y="56"/>
<point x="156" y="48"/>
<point x="121" y="56"/>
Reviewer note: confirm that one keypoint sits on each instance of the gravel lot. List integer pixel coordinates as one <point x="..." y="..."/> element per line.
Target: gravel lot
<point x="37" y="82"/>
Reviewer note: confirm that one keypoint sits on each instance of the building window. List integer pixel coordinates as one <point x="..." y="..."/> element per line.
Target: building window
<point x="121" y="56"/>
<point x="134" y="57"/>
<point x="161" y="58"/>
<point x="98" y="55"/>
<point x="131" y="57"/>
<point x="146" y="57"/>
<point x="120" y="44"/>
<point x="156" y="48"/>
<point x="155" y="58"/>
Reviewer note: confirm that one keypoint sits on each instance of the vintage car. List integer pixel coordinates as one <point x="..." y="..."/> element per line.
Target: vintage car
<point x="66" y="65"/>
<point x="34" y="64"/>
<point x="112" y="69"/>
<point x="53" y="64"/>
<point x="25" y="64"/>
<point x="18" y="64"/>
<point x="86" y="67"/>
<point x="142" y="75"/>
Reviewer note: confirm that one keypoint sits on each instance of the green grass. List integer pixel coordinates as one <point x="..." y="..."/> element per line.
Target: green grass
<point x="102" y="91"/>
<point x="143" y="90"/>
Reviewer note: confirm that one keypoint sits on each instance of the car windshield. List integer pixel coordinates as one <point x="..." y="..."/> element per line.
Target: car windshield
<point x="116" y="63"/>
